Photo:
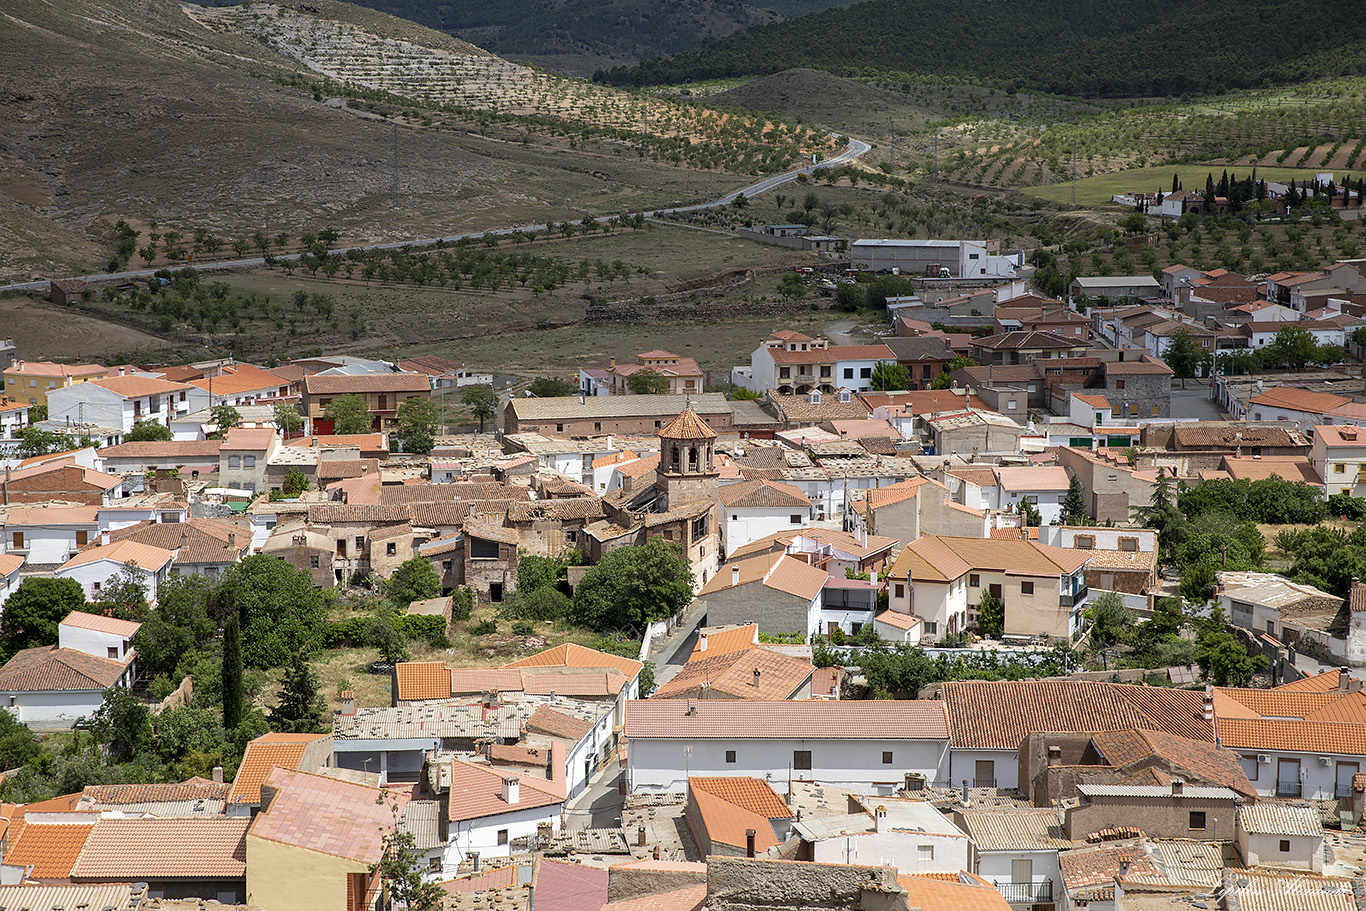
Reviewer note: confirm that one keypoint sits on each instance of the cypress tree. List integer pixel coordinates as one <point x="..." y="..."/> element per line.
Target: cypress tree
<point x="232" y="673"/>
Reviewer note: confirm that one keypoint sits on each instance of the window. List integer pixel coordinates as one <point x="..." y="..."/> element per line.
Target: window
<point x="1011" y="405"/>
<point x="502" y="836"/>
<point x="248" y="461"/>
<point x="825" y="373"/>
<point x="1249" y="764"/>
<point x="668" y="534"/>
<point x="801" y="759"/>
<point x="446" y="566"/>
<point x="597" y="426"/>
<point x="313" y="562"/>
<point x="483" y="550"/>
<point x="735" y="517"/>
<point x="1156" y="411"/>
<point x="1285" y="846"/>
<point x="234" y="461"/>
<point x="1084" y="542"/>
<point x="865" y="372"/>
<point x="1339" y="468"/>
<point x="730" y="756"/>
<point x="795" y="519"/>
<point x="1133" y="411"/>
<point x="1114" y="411"/>
<point x="1198" y="820"/>
<point x="390" y="549"/>
<point x="899" y="590"/>
<point x="931" y="628"/>
<point x="360" y="542"/>
<point x="886" y="757"/>
<point x="1119" y="384"/>
<point x="82" y="537"/>
<point x="848" y="373"/>
<point x="974" y="580"/>
<point x="1026" y="588"/>
<point x="1128" y="544"/>
<point x="559" y="428"/>
<point x="784" y="372"/>
<point x="113" y="651"/>
<point x="95" y="586"/>
<point x="433" y="865"/>
<point x="18" y="539"/>
<point x="924" y="853"/>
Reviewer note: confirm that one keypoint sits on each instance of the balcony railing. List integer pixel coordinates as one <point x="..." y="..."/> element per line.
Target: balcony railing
<point x="1344" y="789"/>
<point x="1038" y="891"/>
<point x="1288" y="789"/>
<point x="1069" y="600"/>
<point x="984" y="782"/>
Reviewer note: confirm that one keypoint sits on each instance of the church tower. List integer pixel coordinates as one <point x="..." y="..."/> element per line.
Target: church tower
<point x="687" y="473"/>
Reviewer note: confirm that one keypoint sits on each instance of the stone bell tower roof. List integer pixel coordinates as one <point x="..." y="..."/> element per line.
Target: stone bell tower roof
<point x="687" y="426"/>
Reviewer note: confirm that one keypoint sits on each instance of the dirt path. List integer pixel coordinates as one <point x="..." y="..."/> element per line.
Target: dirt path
<point x="42" y="331"/>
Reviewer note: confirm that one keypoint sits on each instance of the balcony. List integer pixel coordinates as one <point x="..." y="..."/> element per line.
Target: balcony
<point x="1343" y="789"/>
<point x="984" y="782"/>
<point x="1288" y="789"/>
<point x="1036" y="892"/>
<point x="1073" y="599"/>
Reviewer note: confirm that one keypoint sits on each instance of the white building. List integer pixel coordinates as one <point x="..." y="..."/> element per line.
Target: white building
<point x="1016" y="850"/>
<point x="491" y="808"/>
<point x="10" y="564"/>
<point x="49" y="535"/>
<point x="866" y="747"/>
<point x="751" y="510"/>
<point x="14" y="417"/>
<point x="50" y="687"/>
<point x="796" y="364"/>
<point x="962" y="259"/>
<point x="1277" y="835"/>
<point x="96" y="567"/>
<point x="120" y="402"/>
<point x="1337" y="453"/>
<point x="910" y="835"/>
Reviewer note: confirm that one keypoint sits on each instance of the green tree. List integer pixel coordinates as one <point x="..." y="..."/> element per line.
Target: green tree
<point x="1182" y="353"/>
<point x="792" y="286"/>
<point x="180" y="625"/>
<point x="849" y="296"/>
<point x="287" y="419"/>
<point x="1029" y="514"/>
<point x="1074" y="504"/>
<point x="280" y="609"/>
<point x="648" y="381"/>
<point x="234" y="695"/>
<point x="34" y="611"/>
<point x="123" y="724"/>
<point x="944" y="380"/>
<point x="414" y="580"/>
<point x="383" y="633"/>
<point x="632" y="586"/>
<point x="1293" y="347"/>
<point x="1111" y="622"/>
<point x="17" y="743"/>
<point x="125" y="594"/>
<point x="148" y="432"/>
<point x="417" y="425"/>
<point x="225" y="417"/>
<point x="349" y="414"/>
<point x="482" y="402"/>
<point x="34" y="441"/>
<point x="1224" y="662"/>
<point x="300" y="707"/>
<point x="889" y="376"/>
<point x="401" y="868"/>
<point x="548" y="387"/>
<point x="295" y="482"/>
<point x="991" y="616"/>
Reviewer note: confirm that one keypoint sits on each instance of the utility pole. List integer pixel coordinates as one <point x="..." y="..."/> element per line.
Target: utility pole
<point x="891" y="132"/>
<point x="645" y="139"/>
<point x="936" y="159"/>
<point x="1074" y="173"/>
<point x="395" y="165"/>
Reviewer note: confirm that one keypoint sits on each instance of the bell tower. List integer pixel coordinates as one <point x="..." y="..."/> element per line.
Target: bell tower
<point x="687" y="472"/>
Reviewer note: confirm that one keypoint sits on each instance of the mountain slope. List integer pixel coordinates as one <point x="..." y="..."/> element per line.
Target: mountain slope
<point x="1079" y="47"/>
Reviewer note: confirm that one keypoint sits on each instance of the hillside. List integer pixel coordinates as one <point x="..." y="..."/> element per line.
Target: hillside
<point x="179" y="119"/>
<point x="1074" y="47"/>
<point x="580" y="36"/>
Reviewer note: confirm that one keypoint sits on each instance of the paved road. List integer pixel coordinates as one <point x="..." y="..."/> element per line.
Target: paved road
<point x="1194" y="402"/>
<point x="855" y="151"/>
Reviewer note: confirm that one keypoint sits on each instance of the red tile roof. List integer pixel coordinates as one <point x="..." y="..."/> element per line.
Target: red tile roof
<point x="546" y="720"/>
<point x="736" y="719"/>
<point x="571" y="655"/>
<point x="101" y="624"/>
<point x="48" y="668"/>
<point x="262" y="756"/>
<point x="366" y="382"/>
<point x="1296" y="736"/>
<point x="752" y="673"/>
<point x="687" y="426"/>
<point x="723" y="641"/>
<point x="752" y="794"/>
<point x="933" y="894"/>
<point x="419" y="680"/>
<point x="477" y="792"/>
<point x="146" y="556"/>
<point x="689" y="898"/>
<point x="51" y="849"/>
<point x="160" y="849"/>
<point x="325" y="815"/>
<point x="564" y="886"/>
<point x="761" y="494"/>
<point x="998" y="715"/>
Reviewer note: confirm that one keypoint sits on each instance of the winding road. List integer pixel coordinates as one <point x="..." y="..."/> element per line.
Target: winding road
<point x="855" y="150"/>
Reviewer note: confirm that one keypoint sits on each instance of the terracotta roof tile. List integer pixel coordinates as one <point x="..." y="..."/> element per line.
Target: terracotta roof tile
<point x="727" y="823"/>
<point x="1198" y="761"/>
<point x="366" y="382"/>
<point x="760" y="494"/>
<point x="324" y="815"/>
<point x="48" y="668"/>
<point x="146" y="556"/>
<point x="101" y="624"/>
<point x="419" y="680"/>
<point x="753" y="794"/>
<point x="732" y="718"/>
<point x="262" y="756"/>
<point x="564" y="886"/>
<point x="131" y="387"/>
<point x="723" y="641"/>
<point x="898" y="619"/>
<point x="1335" y="738"/>
<point x="159" y="849"/>
<point x="572" y="655"/>
<point x="689" y="898"/>
<point x="120" y="794"/>
<point x="477" y="792"/>
<point x="687" y="426"/>
<point x="51" y="849"/>
<point x="753" y="673"/>
<point x="1319" y="683"/>
<point x="998" y="715"/>
<point x="546" y="720"/>
<point x="930" y="894"/>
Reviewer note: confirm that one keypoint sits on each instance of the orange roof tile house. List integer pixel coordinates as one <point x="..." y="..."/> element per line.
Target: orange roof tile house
<point x="49" y="687"/>
<point x="117" y="403"/>
<point x="736" y="817"/>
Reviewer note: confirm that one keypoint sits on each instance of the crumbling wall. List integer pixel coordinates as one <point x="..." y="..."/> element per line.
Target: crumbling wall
<point x="626" y="881"/>
<point x="754" y="884"/>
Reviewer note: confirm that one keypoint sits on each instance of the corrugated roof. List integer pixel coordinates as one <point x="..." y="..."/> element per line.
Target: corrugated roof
<point x="162" y="849"/>
<point x="1147" y="790"/>
<point x="1280" y="819"/>
<point x="745" y="720"/>
<point x="52" y="897"/>
<point x="1248" y="890"/>
<point x="1010" y="829"/>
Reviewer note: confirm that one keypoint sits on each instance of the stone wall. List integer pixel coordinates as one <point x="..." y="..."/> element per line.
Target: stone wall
<point x="754" y="884"/>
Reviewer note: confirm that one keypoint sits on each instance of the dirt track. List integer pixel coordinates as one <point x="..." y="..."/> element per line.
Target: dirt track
<point x="43" y="332"/>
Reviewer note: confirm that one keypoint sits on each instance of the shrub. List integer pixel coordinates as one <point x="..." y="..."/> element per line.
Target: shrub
<point x="486" y="628"/>
<point x="522" y="628"/>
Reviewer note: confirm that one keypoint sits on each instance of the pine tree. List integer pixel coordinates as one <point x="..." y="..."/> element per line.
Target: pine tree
<point x="233" y="694"/>
<point x="1074" y="504"/>
<point x="1176" y="182"/>
<point x="300" y="709"/>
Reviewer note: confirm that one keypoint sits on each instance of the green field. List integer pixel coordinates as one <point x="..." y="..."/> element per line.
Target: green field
<point x="1095" y="191"/>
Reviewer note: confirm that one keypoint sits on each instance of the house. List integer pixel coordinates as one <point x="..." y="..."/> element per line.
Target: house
<point x="1277" y="835"/>
<point x="798" y="365"/>
<point x="204" y="547"/>
<point x="264" y="754"/>
<point x="31" y="381"/>
<point x="781" y="593"/>
<point x="1111" y="489"/>
<point x="1261" y="890"/>
<point x="490" y="810"/>
<point x="751" y="510"/>
<point x="1031" y="313"/>
<point x="176" y="858"/>
<point x="95" y="567"/>
<point x="751" y="673"/>
<point x="14" y="417"/>
<point x="1016" y="850"/>
<point x="1024" y="347"/>
<point x="307" y="547"/>
<point x="941" y="579"/>
<point x="1043" y="488"/>
<point x="1177" y="810"/>
<point x="736" y="817"/>
<point x="445" y="373"/>
<point x="243" y="456"/>
<point x="683" y="375"/>
<point x="47" y="851"/>
<point x="239" y="385"/>
<point x="119" y="402"/>
<point x="909" y="834"/>
<point x="989" y="721"/>
<point x="907" y="509"/>
<point x="60" y="479"/>
<point x="152" y="455"/>
<point x="316" y="842"/>
<point x="481" y="556"/>
<point x="1114" y="287"/>
<point x="49" y="535"/>
<point x="635" y="415"/>
<point x="1265" y="603"/>
<point x="570" y="659"/>
<point x="1259" y="334"/>
<point x="50" y="687"/>
<point x="1113" y="876"/>
<point x="866" y="747"/>
<point x="10" y="564"/>
<point x="960" y="259"/>
<point x="383" y="394"/>
<point x="836" y="552"/>
<point x="972" y="433"/>
<point x="1337" y="454"/>
<point x="924" y="356"/>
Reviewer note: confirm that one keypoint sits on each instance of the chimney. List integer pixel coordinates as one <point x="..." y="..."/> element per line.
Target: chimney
<point x="656" y="852"/>
<point x="692" y="707"/>
<point x="1054" y="757"/>
<point x="735" y="575"/>
<point x="104" y="539"/>
<point x="640" y="837"/>
<point x="218" y="774"/>
<point x="512" y="791"/>
<point x="1178" y="787"/>
<point x="1344" y="679"/>
<point x="474" y="860"/>
<point x="749" y="842"/>
<point x="348" y="702"/>
<point x="756" y="676"/>
<point x="880" y="817"/>
<point x="702" y="642"/>
<point x="1208" y="712"/>
<point x="232" y="539"/>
